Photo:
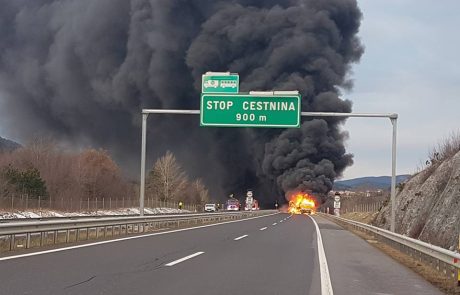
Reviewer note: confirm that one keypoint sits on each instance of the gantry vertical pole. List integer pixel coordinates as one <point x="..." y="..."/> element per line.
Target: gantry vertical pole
<point x="144" y="144"/>
<point x="394" y="121"/>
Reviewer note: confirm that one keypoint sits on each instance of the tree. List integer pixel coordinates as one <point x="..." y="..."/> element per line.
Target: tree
<point x="99" y="176"/>
<point x="198" y="193"/>
<point x="167" y="180"/>
<point x="27" y="182"/>
<point x="67" y="175"/>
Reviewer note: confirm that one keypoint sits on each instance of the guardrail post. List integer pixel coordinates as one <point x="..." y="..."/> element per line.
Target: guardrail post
<point x="28" y="241"/>
<point x="12" y="242"/>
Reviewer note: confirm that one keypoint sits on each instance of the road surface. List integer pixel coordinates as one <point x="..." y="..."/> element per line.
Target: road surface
<point x="275" y="254"/>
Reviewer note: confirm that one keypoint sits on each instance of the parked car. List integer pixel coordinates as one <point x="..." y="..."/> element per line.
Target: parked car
<point x="210" y="208"/>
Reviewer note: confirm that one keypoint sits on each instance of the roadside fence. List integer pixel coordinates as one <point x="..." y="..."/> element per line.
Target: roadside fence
<point x="362" y="207"/>
<point x="24" y="203"/>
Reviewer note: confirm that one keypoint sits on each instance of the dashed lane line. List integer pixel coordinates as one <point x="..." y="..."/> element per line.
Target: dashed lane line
<point x="183" y="259"/>
<point x="241" y="237"/>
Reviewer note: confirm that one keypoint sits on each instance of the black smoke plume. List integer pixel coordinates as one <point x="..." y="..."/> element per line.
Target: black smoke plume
<point x="82" y="70"/>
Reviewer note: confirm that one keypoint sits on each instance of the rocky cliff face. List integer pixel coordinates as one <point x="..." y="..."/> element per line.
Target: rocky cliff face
<point x="428" y="205"/>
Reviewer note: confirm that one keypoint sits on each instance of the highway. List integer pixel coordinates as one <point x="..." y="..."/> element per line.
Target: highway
<point x="275" y="254"/>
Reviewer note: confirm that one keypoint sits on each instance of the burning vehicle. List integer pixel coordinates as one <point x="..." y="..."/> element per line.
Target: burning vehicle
<point x="302" y="203"/>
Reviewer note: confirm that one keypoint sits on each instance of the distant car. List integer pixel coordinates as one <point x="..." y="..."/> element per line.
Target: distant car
<point x="210" y="208"/>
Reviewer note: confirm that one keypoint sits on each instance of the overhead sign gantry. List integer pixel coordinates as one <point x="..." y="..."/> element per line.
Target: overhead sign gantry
<point x="223" y="106"/>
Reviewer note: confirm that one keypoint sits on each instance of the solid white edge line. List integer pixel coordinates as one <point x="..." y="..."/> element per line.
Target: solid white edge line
<point x="183" y="259"/>
<point x="326" y="285"/>
<point x="263" y="228"/>
<point x="127" y="238"/>
<point x="240" y="237"/>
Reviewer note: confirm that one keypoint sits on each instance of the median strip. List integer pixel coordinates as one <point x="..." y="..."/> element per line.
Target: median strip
<point x="183" y="259"/>
<point x="241" y="237"/>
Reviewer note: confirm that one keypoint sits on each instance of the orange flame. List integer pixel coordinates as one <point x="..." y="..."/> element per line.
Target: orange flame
<point x="301" y="203"/>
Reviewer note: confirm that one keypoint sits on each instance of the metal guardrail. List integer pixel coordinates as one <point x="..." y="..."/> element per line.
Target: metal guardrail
<point x="421" y="250"/>
<point x="81" y="217"/>
<point x="21" y="234"/>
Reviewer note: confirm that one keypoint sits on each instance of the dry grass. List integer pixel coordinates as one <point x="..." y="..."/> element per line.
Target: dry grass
<point x="444" y="150"/>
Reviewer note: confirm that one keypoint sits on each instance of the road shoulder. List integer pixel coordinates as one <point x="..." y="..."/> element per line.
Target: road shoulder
<point x="358" y="268"/>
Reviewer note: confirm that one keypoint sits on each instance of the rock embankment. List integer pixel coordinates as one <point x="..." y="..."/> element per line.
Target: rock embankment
<point x="428" y="205"/>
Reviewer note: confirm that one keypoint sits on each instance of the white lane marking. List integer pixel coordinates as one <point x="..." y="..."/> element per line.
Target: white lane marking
<point x="274" y="223"/>
<point x="281" y="220"/>
<point x="239" y="238"/>
<point x="183" y="259"/>
<point x="263" y="228"/>
<point x="326" y="285"/>
<point x="128" y="238"/>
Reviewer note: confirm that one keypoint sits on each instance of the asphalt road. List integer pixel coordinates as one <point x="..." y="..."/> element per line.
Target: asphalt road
<point x="267" y="255"/>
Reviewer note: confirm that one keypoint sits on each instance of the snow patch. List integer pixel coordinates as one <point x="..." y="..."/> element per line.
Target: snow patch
<point x="119" y="212"/>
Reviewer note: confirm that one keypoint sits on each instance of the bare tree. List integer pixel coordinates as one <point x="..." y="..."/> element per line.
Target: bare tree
<point x="89" y="174"/>
<point x="99" y="175"/>
<point x="198" y="193"/>
<point x="167" y="180"/>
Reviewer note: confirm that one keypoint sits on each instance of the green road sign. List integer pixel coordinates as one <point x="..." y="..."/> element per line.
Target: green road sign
<point x="220" y="83"/>
<point x="248" y="110"/>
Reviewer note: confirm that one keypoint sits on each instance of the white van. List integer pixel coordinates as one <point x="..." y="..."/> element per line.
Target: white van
<point x="210" y="208"/>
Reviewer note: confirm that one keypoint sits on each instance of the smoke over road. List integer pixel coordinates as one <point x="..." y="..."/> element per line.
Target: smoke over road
<point x="82" y="70"/>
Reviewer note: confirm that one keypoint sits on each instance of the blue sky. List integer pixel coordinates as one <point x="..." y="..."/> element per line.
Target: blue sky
<point x="411" y="66"/>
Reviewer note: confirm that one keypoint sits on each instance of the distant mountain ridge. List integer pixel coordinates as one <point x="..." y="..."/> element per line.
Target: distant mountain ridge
<point x="370" y="182"/>
<point x="7" y="145"/>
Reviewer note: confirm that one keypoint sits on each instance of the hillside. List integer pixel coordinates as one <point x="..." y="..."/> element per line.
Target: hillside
<point x="428" y="206"/>
<point x="371" y="182"/>
<point x="7" y="145"/>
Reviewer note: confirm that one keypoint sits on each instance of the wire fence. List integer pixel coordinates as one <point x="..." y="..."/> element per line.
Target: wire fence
<point x="362" y="204"/>
<point x="24" y="203"/>
<point x="363" y="207"/>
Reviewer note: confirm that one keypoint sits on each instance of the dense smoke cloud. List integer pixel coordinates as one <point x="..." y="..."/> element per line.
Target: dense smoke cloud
<point x="82" y="70"/>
